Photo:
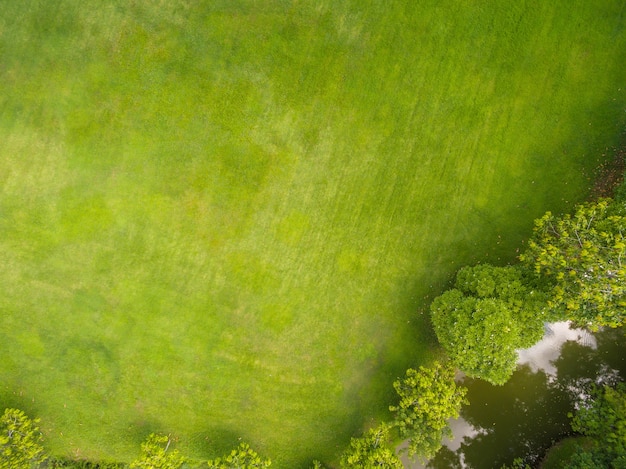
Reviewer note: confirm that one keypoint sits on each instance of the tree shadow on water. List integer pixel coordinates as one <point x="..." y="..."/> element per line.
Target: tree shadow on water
<point x="579" y="367"/>
<point x="520" y="419"/>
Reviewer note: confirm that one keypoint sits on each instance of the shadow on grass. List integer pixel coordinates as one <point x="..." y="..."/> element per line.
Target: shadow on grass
<point x="216" y="441"/>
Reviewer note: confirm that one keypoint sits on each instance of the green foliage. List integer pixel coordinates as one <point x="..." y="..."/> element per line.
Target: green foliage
<point x="428" y="399"/>
<point x="155" y="454"/>
<point x="518" y="463"/>
<point x="20" y="441"/>
<point x="479" y="335"/>
<point x="583" y="257"/>
<point x="491" y="313"/>
<point x="371" y="451"/>
<point x="243" y="457"/>
<point x="582" y="459"/>
<point x="603" y="419"/>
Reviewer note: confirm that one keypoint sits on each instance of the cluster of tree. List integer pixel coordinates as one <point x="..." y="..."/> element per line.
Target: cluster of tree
<point x="581" y="260"/>
<point x="156" y="454"/>
<point x="491" y="312"/>
<point x="600" y="423"/>
<point x="603" y="421"/>
<point x="573" y="269"/>
<point x="428" y="398"/>
<point x="21" y="448"/>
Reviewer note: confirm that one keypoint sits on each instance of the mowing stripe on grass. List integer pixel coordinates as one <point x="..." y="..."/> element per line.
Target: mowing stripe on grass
<point x="224" y="220"/>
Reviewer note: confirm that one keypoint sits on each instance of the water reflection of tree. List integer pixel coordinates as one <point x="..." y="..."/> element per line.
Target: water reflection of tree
<point x="526" y="415"/>
<point x="578" y="367"/>
<point x="446" y="459"/>
<point x="522" y="418"/>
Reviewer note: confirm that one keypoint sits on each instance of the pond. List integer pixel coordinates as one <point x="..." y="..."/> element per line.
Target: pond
<point x="528" y="414"/>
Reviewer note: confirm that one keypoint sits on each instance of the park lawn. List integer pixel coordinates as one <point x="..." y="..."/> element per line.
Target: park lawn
<point x="223" y="220"/>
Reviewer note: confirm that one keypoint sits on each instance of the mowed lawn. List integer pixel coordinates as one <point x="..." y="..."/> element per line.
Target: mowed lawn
<point x="223" y="220"/>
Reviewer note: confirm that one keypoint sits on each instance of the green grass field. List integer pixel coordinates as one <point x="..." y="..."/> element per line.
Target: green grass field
<point x="223" y="219"/>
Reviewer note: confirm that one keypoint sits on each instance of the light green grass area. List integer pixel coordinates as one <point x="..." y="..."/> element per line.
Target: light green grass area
<point x="223" y="219"/>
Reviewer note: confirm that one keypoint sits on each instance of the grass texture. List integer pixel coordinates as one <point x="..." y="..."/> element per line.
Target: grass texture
<point x="222" y="219"/>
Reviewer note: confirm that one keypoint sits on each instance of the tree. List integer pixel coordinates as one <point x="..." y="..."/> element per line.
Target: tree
<point x="523" y="299"/>
<point x="518" y="463"/>
<point x="490" y="314"/>
<point x="243" y="457"/>
<point x="582" y="258"/>
<point x="371" y="451"/>
<point x="603" y="419"/>
<point x="156" y="454"/>
<point x="20" y="441"/>
<point x="584" y="459"/>
<point x="428" y="399"/>
<point x="479" y="335"/>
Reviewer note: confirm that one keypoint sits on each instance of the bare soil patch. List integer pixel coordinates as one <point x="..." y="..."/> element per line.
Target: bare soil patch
<point x="610" y="174"/>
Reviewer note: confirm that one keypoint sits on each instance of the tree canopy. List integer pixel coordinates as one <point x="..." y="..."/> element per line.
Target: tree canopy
<point x="20" y="441"/>
<point x="582" y="257"/>
<point x="603" y="419"/>
<point x="243" y="457"/>
<point x="428" y="399"/>
<point x="156" y="454"/>
<point x="491" y="313"/>
<point x="371" y="451"/>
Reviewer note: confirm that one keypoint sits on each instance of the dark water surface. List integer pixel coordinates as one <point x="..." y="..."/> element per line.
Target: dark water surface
<point x="528" y="414"/>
